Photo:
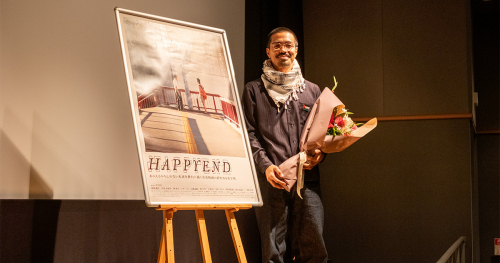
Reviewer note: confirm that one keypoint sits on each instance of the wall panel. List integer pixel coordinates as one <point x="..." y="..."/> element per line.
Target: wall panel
<point x="390" y="57"/>
<point x="401" y="194"/>
<point x="344" y="39"/>
<point x="425" y="57"/>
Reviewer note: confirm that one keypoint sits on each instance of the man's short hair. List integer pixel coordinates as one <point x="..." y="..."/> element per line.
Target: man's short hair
<point x="175" y="76"/>
<point x="279" y="30"/>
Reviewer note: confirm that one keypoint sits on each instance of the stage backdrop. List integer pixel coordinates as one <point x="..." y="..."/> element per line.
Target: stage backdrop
<point x="66" y="131"/>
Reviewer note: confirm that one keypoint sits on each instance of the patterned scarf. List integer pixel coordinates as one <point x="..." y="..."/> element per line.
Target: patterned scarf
<point x="282" y="87"/>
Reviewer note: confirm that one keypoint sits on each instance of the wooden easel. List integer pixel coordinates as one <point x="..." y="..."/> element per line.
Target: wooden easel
<point x="166" y="253"/>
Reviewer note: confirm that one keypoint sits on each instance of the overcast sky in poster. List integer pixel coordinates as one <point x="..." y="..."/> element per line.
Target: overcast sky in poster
<point x="158" y="51"/>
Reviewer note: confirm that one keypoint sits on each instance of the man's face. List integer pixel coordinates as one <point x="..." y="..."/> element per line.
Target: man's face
<point x="282" y="51"/>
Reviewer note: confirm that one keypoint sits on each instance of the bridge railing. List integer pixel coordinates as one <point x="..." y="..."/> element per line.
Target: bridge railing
<point x="229" y="110"/>
<point x="148" y="100"/>
<point x="454" y="254"/>
<point x="214" y="103"/>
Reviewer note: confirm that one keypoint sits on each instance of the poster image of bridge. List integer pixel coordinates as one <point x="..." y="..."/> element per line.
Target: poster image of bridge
<point x="191" y="138"/>
<point x="184" y="90"/>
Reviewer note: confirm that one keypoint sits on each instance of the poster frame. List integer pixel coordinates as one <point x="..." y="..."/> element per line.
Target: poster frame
<point x="135" y="108"/>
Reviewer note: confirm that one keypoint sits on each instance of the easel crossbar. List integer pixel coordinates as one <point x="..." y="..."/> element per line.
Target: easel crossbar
<point x="203" y="207"/>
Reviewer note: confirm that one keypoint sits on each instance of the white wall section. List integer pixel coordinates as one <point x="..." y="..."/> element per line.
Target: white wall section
<point x="66" y="129"/>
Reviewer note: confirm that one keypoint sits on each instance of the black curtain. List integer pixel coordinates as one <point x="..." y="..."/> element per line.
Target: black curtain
<point x="261" y="17"/>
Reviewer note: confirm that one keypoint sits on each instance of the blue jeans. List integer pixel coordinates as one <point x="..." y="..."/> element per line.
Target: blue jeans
<point x="286" y="213"/>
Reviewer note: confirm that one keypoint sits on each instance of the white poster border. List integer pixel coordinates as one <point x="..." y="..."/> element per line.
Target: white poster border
<point x="250" y="184"/>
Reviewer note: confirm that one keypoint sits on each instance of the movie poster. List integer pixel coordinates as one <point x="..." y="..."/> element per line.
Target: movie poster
<point x="190" y="132"/>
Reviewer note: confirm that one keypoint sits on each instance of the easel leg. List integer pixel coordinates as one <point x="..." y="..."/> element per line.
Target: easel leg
<point x="235" y="234"/>
<point x="202" y="233"/>
<point x="161" y="253"/>
<point x="166" y="253"/>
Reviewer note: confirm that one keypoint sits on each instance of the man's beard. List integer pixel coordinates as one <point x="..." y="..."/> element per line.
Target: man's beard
<point x="284" y="63"/>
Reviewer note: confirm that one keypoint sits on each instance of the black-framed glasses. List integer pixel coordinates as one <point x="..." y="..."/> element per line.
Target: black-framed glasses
<point x="278" y="45"/>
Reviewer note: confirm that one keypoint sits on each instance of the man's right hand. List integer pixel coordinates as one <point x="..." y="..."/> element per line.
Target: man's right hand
<point x="273" y="175"/>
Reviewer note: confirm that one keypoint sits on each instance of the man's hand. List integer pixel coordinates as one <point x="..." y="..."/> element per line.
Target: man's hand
<point x="311" y="161"/>
<point x="273" y="175"/>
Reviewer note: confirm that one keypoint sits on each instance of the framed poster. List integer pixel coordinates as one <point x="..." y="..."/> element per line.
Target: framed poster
<point x="190" y="131"/>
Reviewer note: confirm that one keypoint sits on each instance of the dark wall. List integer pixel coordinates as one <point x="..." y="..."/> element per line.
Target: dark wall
<point x="488" y="146"/>
<point x="390" y="57"/>
<point x="398" y="195"/>
<point x="485" y="31"/>
<point x="402" y="193"/>
<point x="112" y="231"/>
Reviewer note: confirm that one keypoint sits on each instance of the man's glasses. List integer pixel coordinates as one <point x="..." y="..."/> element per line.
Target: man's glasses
<point x="286" y="46"/>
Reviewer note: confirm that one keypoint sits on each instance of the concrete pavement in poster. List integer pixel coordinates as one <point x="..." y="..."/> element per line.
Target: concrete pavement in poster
<point x="169" y="130"/>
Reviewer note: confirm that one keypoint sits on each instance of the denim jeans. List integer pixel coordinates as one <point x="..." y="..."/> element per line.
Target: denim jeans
<point x="285" y="213"/>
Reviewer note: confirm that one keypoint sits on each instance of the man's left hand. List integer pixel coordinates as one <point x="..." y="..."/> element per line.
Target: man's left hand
<point x="311" y="161"/>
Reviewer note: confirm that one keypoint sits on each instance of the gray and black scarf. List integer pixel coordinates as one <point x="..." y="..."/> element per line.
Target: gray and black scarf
<point x="282" y="87"/>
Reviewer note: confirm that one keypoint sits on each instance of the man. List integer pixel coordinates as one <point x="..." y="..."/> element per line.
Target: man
<point x="276" y="107"/>
<point x="178" y="97"/>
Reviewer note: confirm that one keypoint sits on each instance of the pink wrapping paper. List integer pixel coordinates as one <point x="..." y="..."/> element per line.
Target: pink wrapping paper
<point x="314" y="137"/>
<point x="333" y="144"/>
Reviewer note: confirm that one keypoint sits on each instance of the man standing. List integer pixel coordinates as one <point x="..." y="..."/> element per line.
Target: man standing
<point x="276" y="107"/>
<point x="178" y="97"/>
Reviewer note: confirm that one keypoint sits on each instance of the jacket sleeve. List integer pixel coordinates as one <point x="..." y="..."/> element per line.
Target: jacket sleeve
<point x="260" y="158"/>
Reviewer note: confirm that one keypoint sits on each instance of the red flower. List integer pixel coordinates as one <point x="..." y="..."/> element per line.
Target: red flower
<point x="354" y="127"/>
<point x="332" y="119"/>
<point x="339" y="121"/>
<point x="330" y="125"/>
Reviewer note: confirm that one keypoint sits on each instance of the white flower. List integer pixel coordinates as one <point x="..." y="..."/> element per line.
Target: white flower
<point x="347" y="126"/>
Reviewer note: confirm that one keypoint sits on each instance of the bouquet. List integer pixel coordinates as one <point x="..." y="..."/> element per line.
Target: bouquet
<point x="340" y="122"/>
<point x="328" y="128"/>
